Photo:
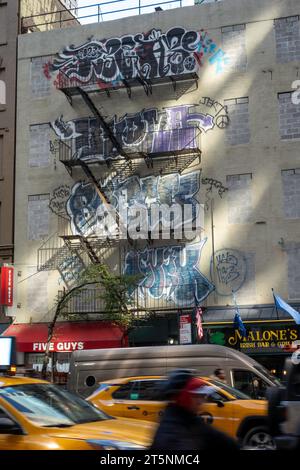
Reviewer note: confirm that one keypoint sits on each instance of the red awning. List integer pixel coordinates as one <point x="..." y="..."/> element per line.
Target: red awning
<point x="67" y="337"/>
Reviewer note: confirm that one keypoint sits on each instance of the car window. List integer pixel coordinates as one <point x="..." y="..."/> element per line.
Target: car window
<point x="49" y="405"/>
<point x="237" y="394"/>
<point x="123" y="392"/>
<point x="249" y="383"/>
<point x="216" y="396"/>
<point x="147" y="390"/>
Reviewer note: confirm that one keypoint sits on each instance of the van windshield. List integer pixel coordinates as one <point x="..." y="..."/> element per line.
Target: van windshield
<point x="271" y="377"/>
<point x="232" y="391"/>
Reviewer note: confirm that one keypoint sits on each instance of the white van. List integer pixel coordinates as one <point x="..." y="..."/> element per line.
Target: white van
<point x="89" y="367"/>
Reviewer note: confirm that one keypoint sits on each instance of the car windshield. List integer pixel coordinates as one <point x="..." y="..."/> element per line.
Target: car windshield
<point x="232" y="391"/>
<point x="48" y="405"/>
<point x="271" y="377"/>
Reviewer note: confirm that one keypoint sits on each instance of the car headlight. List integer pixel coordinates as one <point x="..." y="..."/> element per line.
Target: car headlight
<point x="107" y="444"/>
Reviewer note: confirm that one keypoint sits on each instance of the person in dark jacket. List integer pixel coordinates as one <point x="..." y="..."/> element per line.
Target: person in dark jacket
<point x="180" y="427"/>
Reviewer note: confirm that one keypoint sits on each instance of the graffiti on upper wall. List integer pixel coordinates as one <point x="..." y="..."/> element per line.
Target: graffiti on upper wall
<point x="229" y="270"/>
<point x="170" y="273"/>
<point x="144" y="56"/>
<point x="151" y="131"/>
<point x="59" y="198"/>
<point x="86" y="210"/>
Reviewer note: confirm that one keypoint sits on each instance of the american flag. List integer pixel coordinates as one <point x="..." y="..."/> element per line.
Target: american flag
<point x="199" y="322"/>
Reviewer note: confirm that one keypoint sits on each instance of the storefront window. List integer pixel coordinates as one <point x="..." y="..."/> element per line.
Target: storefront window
<point x="61" y="361"/>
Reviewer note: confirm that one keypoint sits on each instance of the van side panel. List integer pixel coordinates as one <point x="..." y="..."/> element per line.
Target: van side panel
<point x="90" y="367"/>
<point x="105" y="370"/>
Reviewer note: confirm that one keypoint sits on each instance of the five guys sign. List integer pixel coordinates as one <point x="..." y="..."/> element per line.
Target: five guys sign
<point x="6" y="286"/>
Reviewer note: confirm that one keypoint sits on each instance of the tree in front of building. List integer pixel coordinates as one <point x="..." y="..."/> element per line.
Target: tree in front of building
<point x="115" y="292"/>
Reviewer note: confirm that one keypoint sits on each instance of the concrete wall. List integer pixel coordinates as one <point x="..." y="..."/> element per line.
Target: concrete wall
<point x="255" y="230"/>
<point x="45" y="15"/>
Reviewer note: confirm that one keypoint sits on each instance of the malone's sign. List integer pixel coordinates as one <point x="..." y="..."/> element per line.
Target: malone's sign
<point x="285" y="338"/>
<point x="259" y="338"/>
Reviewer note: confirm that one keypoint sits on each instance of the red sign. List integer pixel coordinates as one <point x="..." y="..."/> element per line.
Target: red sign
<point x="6" y="285"/>
<point x="185" y="329"/>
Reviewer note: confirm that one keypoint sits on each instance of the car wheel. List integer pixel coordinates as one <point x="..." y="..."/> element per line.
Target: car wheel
<point x="258" y="438"/>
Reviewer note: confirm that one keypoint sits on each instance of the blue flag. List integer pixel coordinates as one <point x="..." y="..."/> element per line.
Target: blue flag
<point x="239" y="325"/>
<point x="282" y="305"/>
<point x="238" y="322"/>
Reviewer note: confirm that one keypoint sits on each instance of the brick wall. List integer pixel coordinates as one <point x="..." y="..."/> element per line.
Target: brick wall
<point x="37" y="292"/>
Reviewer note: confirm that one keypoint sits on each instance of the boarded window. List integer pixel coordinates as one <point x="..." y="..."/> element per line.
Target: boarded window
<point x="294" y="273"/>
<point x="287" y="38"/>
<point x="40" y="78"/>
<point x="238" y="131"/>
<point x="3" y="23"/>
<point x="291" y="193"/>
<point x="234" y="45"/>
<point x="38" y="216"/>
<point x="240" y="209"/>
<point x="39" y="153"/>
<point x="289" y="117"/>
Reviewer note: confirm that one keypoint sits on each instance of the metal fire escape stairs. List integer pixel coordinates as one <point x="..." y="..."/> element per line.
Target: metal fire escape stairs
<point x="160" y="164"/>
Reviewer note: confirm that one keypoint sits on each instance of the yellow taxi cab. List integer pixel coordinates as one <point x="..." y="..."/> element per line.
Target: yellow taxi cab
<point x="37" y="415"/>
<point x="228" y="409"/>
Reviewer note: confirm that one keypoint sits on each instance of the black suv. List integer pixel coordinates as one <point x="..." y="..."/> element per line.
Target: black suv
<point x="284" y="408"/>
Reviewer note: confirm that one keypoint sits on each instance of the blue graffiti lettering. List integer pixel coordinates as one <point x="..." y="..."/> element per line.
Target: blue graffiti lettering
<point x="170" y="273"/>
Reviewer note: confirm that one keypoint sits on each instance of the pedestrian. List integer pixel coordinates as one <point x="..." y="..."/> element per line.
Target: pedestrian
<point x="180" y="427"/>
<point x="219" y="374"/>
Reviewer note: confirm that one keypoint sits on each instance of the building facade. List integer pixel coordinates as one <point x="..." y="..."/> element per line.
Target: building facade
<point x="187" y="106"/>
<point x="11" y="14"/>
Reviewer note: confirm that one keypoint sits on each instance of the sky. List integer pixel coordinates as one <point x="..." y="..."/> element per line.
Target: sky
<point x="105" y="11"/>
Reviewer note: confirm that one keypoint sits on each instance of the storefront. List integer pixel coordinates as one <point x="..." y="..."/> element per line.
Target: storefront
<point x="68" y="337"/>
<point x="271" y="336"/>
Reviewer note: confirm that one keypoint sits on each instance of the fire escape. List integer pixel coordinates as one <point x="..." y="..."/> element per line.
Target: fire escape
<point x="173" y="152"/>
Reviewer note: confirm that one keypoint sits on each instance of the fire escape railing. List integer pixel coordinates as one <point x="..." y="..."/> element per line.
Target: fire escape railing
<point x="151" y="146"/>
<point x="72" y="86"/>
<point x="89" y="301"/>
<point x="95" y="12"/>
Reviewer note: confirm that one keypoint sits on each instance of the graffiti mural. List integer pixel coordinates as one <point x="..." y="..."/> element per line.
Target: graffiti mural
<point x="151" y="131"/>
<point x="170" y="273"/>
<point x="230" y="271"/>
<point x="86" y="210"/>
<point x="70" y="269"/>
<point x="59" y="199"/>
<point x="142" y="56"/>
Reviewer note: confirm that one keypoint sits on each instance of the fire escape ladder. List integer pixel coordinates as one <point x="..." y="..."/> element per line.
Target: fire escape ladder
<point x="75" y="240"/>
<point x="102" y="121"/>
<point x="180" y="163"/>
<point x="94" y="181"/>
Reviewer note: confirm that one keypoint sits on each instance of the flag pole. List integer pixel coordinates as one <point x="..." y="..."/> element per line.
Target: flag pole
<point x="275" y="304"/>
